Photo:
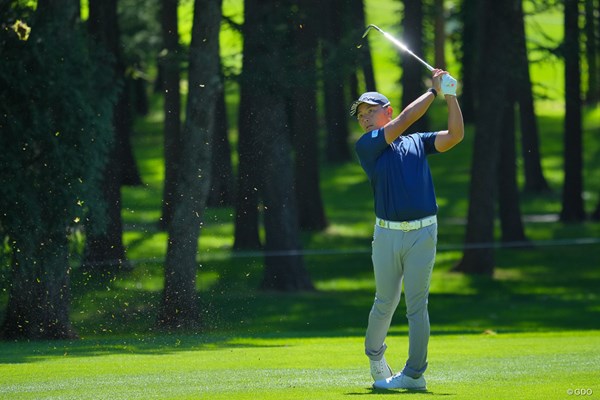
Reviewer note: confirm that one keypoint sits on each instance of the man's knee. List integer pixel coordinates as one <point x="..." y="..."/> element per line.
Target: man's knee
<point x="383" y="308"/>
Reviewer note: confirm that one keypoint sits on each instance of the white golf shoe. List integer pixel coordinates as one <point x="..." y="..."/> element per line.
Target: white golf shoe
<point x="401" y="381"/>
<point x="380" y="370"/>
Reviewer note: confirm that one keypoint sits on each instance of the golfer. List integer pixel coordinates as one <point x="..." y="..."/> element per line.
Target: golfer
<point x="405" y="236"/>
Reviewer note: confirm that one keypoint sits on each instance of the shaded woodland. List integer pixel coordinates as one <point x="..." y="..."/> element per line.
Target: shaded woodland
<point x="70" y="89"/>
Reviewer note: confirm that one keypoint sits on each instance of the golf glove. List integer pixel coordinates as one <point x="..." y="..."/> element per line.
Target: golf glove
<point x="449" y="85"/>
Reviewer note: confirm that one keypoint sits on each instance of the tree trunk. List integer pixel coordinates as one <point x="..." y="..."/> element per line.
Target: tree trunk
<point x="106" y="250"/>
<point x="169" y="64"/>
<point x="222" y="189"/>
<point x="337" y="148"/>
<point x="478" y="257"/>
<point x="362" y="55"/>
<point x="440" y="34"/>
<point x="508" y="192"/>
<point x="596" y="213"/>
<point x="365" y="58"/>
<point x="302" y="108"/>
<point x="284" y="268"/>
<point x="124" y="113"/>
<point x="592" y="48"/>
<point x="471" y="32"/>
<point x="534" y="178"/>
<point x="249" y="173"/>
<point x="179" y="308"/>
<point x="39" y="297"/>
<point x="412" y="70"/>
<point x="572" y="200"/>
<point x="284" y="265"/>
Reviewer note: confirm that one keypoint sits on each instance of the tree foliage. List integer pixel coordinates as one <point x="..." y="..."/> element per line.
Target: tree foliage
<point x="56" y="131"/>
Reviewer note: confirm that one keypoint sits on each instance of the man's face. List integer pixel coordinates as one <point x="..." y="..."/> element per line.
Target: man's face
<point x="373" y="116"/>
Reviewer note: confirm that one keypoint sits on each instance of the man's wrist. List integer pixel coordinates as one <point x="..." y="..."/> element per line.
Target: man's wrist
<point x="432" y="90"/>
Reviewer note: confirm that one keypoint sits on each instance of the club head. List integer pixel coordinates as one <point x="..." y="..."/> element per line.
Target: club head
<point x="358" y="46"/>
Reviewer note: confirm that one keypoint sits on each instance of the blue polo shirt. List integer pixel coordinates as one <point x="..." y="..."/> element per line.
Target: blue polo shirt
<point x="399" y="174"/>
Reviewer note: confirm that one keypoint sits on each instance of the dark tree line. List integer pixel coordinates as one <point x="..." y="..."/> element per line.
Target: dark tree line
<point x="68" y="150"/>
<point x="493" y="173"/>
<point x="265" y="152"/>
<point x="500" y="60"/>
<point x="56" y="102"/>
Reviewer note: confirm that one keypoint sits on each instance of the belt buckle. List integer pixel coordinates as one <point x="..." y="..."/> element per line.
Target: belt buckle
<point x="405" y="226"/>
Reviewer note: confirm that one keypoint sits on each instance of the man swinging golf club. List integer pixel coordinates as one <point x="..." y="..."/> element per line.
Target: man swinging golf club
<point x="405" y="236"/>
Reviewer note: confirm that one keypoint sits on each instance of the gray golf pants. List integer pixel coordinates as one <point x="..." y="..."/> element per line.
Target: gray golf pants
<point x="398" y="256"/>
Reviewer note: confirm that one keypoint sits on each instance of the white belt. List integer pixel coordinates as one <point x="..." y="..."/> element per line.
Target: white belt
<point x="406" y="225"/>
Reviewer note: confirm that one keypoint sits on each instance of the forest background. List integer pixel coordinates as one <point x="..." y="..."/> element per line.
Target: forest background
<point x="179" y="149"/>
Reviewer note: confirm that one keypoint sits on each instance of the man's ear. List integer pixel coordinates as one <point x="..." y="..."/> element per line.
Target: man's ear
<point x="390" y="111"/>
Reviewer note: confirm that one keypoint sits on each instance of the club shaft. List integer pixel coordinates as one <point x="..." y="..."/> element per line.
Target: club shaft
<point x="402" y="46"/>
<point x="398" y="44"/>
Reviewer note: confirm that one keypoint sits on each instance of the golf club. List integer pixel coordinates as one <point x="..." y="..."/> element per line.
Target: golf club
<point x="395" y="41"/>
<point x="403" y="47"/>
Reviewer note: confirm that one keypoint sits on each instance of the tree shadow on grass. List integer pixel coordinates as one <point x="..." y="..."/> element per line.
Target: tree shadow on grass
<point x="372" y="391"/>
<point x="24" y="351"/>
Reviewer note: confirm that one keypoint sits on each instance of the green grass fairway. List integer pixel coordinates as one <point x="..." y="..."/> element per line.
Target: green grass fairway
<point x="470" y="366"/>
